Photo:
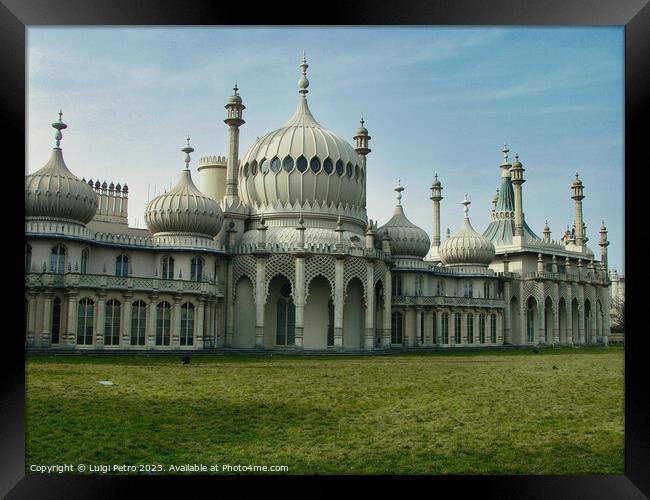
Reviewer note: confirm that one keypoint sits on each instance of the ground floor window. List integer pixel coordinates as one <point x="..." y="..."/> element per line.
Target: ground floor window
<point x="56" y="320"/>
<point x="330" y="323"/>
<point x="85" y="315"/>
<point x="138" y="322"/>
<point x="481" y="328"/>
<point x="530" y="323"/>
<point x="493" y="328"/>
<point x="445" y="328"/>
<point x="163" y="323"/>
<point x="470" y="328"/>
<point x="112" y="323"/>
<point x="396" y="328"/>
<point x="285" y="328"/>
<point x="421" y="328"/>
<point x="457" y="330"/>
<point x="434" y="327"/>
<point x="187" y="324"/>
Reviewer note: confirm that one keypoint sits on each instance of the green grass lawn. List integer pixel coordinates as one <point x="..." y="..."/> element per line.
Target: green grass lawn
<point x="424" y="413"/>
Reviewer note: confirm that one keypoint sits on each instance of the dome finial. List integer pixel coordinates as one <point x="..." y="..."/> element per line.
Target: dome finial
<point x="303" y="83"/>
<point x="466" y="204"/>
<point x="59" y="126"/>
<point x="187" y="150"/>
<point x="399" y="190"/>
<point x="505" y="152"/>
<point x="362" y="122"/>
<point x="236" y="88"/>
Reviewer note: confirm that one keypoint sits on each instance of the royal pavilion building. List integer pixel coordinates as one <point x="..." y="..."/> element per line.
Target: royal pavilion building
<point x="276" y="251"/>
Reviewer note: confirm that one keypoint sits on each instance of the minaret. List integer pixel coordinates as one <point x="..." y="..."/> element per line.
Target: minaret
<point x="234" y="111"/>
<point x="603" y="243"/>
<point x="547" y="232"/>
<point x="436" y="196"/>
<point x="58" y="135"/>
<point x="577" y="195"/>
<point x="361" y="139"/>
<point x="517" y="175"/>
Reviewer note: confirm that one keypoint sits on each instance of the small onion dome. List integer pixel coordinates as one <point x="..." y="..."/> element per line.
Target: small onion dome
<point x="362" y="130"/>
<point x="406" y="239"/>
<point x="53" y="192"/>
<point x="184" y="209"/>
<point x="577" y="181"/>
<point x="467" y="247"/>
<point x="517" y="163"/>
<point x="235" y="98"/>
<point x="436" y="182"/>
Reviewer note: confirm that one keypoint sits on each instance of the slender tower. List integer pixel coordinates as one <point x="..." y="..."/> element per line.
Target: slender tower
<point x="361" y="139"/>
<point x="436" y="196"/>
<point x="234" y="111"/>
<point x="517" y="175"/>
<point x="603" y="244"/>
<point x="577" y="194"/>
<point x="547" y="232"/>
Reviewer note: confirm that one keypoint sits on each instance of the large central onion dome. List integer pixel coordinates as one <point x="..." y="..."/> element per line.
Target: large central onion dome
<point x="53" y="192"/>
<point x="467" y="247"/>
<point x="184" y="209"/>
<point x="406" y="239"/>
<point x="303" y="162"/>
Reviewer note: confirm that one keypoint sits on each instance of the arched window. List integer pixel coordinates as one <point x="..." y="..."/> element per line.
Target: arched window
<point x="339" y="168"/>
<point x="287" y="164"/>
<point x="285" y="333"/>
<point x="348" y="169"/>
<point x="138" y="322"/>
<point x="434" y="328"/>
<point x="421" y="329"/>
<point x="467" y="290"/>
<point x="254" y="168"/>
<point x="330" y="322"/>
<point x="56" y="320"/>
<point x="301" y="163"/>
<point x="187" y="324"/>
<point x="112" y="322"/>
<point x="85" y="316"/>
<point x="163" y="323"/>
<point x="396" y="328"/>
<point x="264" y="166"/>
<point x="57" y="259"/>
<point x="444" y="325"/>
<point x="314" y="164"/>
<point x="167" y="268"/>
<point x="457" y="331"/>
<point x="245" y="169"/>
<point x="440" y="288"/>
<point x="530" y="321"/>
<point x="85" y="253"/>
<point x="486" y="290"/>
<point x="196" y="270"/>
<point x="397" y="285"/>
<point x="275" y="164"/>
<point x="356" y="172"/>
<point x="28" y="258"/>
<point x="470" y="328"/>
<point x="121" y="265"/>
<point x="419" y="280"/>
<point x="481" y="328"/>
<point x="328" y="166"/>
<point x="493" y="328"/>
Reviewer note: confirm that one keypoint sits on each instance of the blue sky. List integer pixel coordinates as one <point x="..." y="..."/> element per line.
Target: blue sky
<point x="435" y="99"/>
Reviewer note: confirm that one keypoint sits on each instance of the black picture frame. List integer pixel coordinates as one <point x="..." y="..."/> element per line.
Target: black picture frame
<point x="16" y="15"/>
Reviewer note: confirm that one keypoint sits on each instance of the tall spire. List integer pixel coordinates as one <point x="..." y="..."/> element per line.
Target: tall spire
<point x="187" y="150"/>
<point x="398" y="189"/>
<point x="303" y="83"/>
<point x="466" y="203"/>
<point x="505" y="152"/>
<point x="59" y="126"/>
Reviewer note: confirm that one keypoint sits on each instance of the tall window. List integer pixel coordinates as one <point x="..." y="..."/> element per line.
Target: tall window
<point x="467" y="290"/>
<point x="440" y="288"/>
<point x="530" y="322"/>
<point x="493" y="328"/>
<point x="457" y="331"/>
<point x="396" y="328"/>
<point x="285" y="332"/>
<point x="85" y="315"/>
<point x="434" y="328"/>
<point x="187" y="324"/>
<point x="112" y="323"/>
<point x="28" y="258"/>
<point x="486" y="290"/>
<point x="84" y="261"/>
<point x="470" y="328"/>
<point x="397" y="285"/>
<point x="481" y="328"/>
<point x="421" y="328"/>
<point x="121" y="265"/>
<point x="168" y="268"/>
<point x="330" y="321"/>
<point x="163" y="323"/>
<point x="57" y="259"/>
<point x="418" y="285"/>
<point x="444" y="324"/>
<point x="56" y="320"/>
<point x="196" y="270"/>
<point x="138" y="322"/>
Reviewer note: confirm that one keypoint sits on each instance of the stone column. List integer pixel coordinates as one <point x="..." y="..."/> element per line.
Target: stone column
<point x="260" y="300"/>
<point x="452" y="329"/>
<point x="556" y="314"/>
<point x="46" y="332"/>
<point x="175" y="340"/>
<point x="230" y="307"/>
<point x="299" y="300"/>
<point x="606" y="318"/>
<point x="507" y="328"/>
<point x="418" y="327"/>
<point x="369" y="342"/>
<point x="126" y="321"/>
<point x="408" y="336"/>
<point x="569" y="320"/>
<point x="499" y="333"/>
<point x="581" y="314"/>
<point x="207" y="325"/>
<point x="151" y="322"/>
<point x="388" y="288"/>
<point x="338" y="303"/>
<point x="476" y="327"/>
<point x="71" y="333"/>
<point x="101" y="318"/>
<point x="438" y="320"/>
<point x="199" y="324"/>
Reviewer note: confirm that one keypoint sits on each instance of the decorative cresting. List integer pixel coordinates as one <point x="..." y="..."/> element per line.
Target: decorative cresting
<point x="280" y="264"/>
<point x="243" y="265"/>
<point x="184" y="209"/>
<point x="355" y="267"/>
<point x="467" y="247"/>
<point x="320" y="265"/>
<point x="53" y="192"/>
<point x="301" y="164"/>
<point x="406" y="239"/>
